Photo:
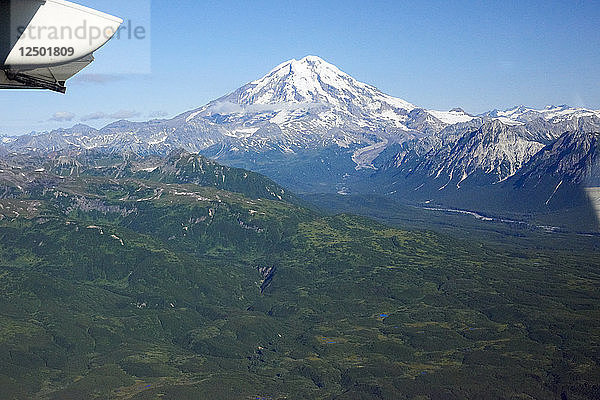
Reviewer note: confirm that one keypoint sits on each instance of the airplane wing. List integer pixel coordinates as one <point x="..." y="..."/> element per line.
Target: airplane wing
<point x="49" y="77"/>
<point x="43" y="43"/>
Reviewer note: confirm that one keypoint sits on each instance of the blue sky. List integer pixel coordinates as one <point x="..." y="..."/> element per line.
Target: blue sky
<point x="436" y="54"/>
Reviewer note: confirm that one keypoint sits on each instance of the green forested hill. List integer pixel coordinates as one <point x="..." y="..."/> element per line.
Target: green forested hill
<point x="133" y="286"/>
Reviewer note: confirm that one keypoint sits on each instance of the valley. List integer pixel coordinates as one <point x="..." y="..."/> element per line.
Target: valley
<point x="145" y="277"/>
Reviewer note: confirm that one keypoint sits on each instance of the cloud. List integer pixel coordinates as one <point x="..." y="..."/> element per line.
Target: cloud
<point x="98" y="78"/>
<point x="226" y="107"/>
<point x="94" y="116"/>
<point x="122" y="114"/>
<point x="62" y="116"/>
<point x="158" y="114"/>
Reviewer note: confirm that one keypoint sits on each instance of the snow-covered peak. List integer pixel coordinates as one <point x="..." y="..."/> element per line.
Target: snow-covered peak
<point x="564" y="111"/>
<point x="308" y="95"/>
<point x="300" y="66"/>
<point x="452" y="117"/>
<point x="521" y="114"/>
<point x="313" y="80"/>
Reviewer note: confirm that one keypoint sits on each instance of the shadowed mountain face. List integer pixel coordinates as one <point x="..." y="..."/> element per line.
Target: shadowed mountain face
<point x="500" y="170"/>
<point x="494" y="151"/>
<point x="563" y="176"/>
<point x="573" y="158"/>
<point x="145" y="277"/>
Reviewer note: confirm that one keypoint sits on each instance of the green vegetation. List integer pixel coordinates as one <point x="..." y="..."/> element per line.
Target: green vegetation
<point x="137" y="287"/>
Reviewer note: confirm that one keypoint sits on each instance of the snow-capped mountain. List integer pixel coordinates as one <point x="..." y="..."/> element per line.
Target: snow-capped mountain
<point x="312" y="86"/>
<point x="300" y="105"/>
<point x="522" y="115"/>
<point x="308" y="104"/>
<point x="312" y="127"/>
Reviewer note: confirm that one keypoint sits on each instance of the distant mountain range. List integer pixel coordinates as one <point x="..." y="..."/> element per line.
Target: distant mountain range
<point x="492" y="153"/>
<point x="313" y="128"/>
<point x="299" y="105"/>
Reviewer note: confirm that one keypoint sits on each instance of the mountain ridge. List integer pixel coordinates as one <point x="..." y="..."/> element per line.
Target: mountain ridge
<point x="311" y="127"/>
